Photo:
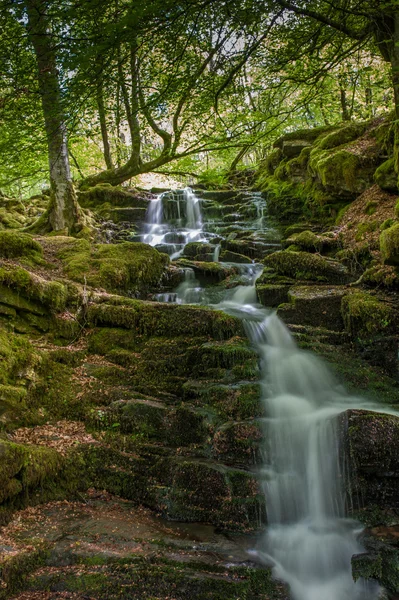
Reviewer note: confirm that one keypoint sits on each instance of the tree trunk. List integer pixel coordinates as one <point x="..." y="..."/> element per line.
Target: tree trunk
<point x="103" y="122"/>
<point x="344" y="104"/>
<point x="63" y="212"/>
<point x="395" y="83"/>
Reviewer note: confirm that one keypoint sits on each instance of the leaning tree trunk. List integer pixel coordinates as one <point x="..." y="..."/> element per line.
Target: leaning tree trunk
<point x="63" y="212"/>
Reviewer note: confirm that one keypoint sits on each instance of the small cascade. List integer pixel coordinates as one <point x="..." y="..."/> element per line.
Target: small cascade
<point x="216" y="253"/>
<point x="173" y="219"/>
<point x="190" y="291"/>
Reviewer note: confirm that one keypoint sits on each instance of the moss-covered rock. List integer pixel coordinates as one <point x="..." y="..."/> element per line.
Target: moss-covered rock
<point x="199" y="251"/>
<point x="389" y="245"/>
<point x="23" y="468"/>
<point x="99" y="195"/>
<point x="340" y="171"/>
<point x="319" y="306"/>
<point x="311" y="242"/>
<point x="372" y="442"/>
<point x="386" y="177"/>
<point x="52" y="295"/>
<point x="365" y="315"/>
<point x="198" y="490"/>
<point x="302" y="265"/>
<point x="238" y="443"/>
<point x="153" y="318"/>
<point x="127" y="267"/>
<point x="14" y="244"/>
<point x="209" y="272"/>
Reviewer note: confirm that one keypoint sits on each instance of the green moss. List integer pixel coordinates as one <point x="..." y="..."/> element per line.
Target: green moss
<point x="302" y="265"/>
<point x="126" y="267"/>
<point x="364" y="315"/>
<point x="337" y="169"/>
<point x="164" y="319"/>
<point x="15" y="244"/>
<point x="341" y="136"/>
<point x="16" y="568"/>
<point x="364" y="228"/>
<point x="370" y="208"/>
<point x="387" y="224"/>
<point x="309" y="135"/>
<point x="16" y="356"/>
<point x="386" y="177"/>
<point x="381" y="275"/>
<point x="52" y="294"/>
<point x="285" y="200"/>
<point x="389" y="245"/>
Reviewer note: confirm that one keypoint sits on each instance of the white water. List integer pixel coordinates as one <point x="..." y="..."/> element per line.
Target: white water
<point x="173" y="220"/>
<point x="308" y="541"/>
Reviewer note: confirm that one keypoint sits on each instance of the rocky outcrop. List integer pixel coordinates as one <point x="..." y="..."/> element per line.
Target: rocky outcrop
<point x="371" y="443"/>
<point x="317" y="171"/>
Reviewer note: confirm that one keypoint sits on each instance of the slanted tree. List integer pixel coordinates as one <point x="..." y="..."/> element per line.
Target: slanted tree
<point x="63" y="212"/>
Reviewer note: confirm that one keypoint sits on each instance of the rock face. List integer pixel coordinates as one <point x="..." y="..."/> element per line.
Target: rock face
<point x="317" y="171"/>
<point x="371" y="442"/>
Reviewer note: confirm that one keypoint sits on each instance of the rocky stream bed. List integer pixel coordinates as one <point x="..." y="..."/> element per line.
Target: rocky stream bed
<point x="131" y="432"/>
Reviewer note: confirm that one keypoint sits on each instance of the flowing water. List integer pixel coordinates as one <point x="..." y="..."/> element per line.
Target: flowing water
<point x="308" y="541"/>
<point x="173" y="220"/>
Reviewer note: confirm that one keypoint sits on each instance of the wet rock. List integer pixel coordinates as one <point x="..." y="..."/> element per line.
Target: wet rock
<point x="272" y="294"/>
<point x="238" y="443"/>
<point x="109" y="549"/>
<point x="233" y="257"/>
<point x="208" y="271"/>
<point x="319" y="306"/>
<point x="372" y="443"/>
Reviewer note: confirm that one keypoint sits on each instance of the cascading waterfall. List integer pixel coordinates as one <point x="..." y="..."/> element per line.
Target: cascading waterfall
<point x="308" y="541"/>
<point x="173" y="219"/>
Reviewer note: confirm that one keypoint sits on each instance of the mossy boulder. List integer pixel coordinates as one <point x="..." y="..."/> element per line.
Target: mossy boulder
<point x="389" y="245"/>
<point x="205" y="491"/>
<point x="302" y="265"/>
<point x="99" y="195"/>
<point x="311" y="242"/>
<point x="22" y="468"/>
<point x="52" y="295"/>
<point x="319" y="306"/>
<point x="126" y="268"/>
<point x="372" y="444"/>
<point x="14" y="244"/>
<point x="209" y="272"/>
<point x="340" y="171"/>
<point x="155" y="318"/>
<point x="365" y="315"/>
<point x="199" y="251"/>
<point x="386" y="177"/>
<point x="238" y="443"/>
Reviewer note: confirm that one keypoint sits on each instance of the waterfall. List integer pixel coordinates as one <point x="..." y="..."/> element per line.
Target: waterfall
<point x="173" y="219"/>
<point x="308" y="541"/>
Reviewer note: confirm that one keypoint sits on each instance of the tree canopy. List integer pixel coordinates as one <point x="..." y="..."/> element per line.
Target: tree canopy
<point x="103" y="92"/>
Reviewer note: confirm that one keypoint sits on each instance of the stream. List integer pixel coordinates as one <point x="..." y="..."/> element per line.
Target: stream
<point x="308" y="541"/>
